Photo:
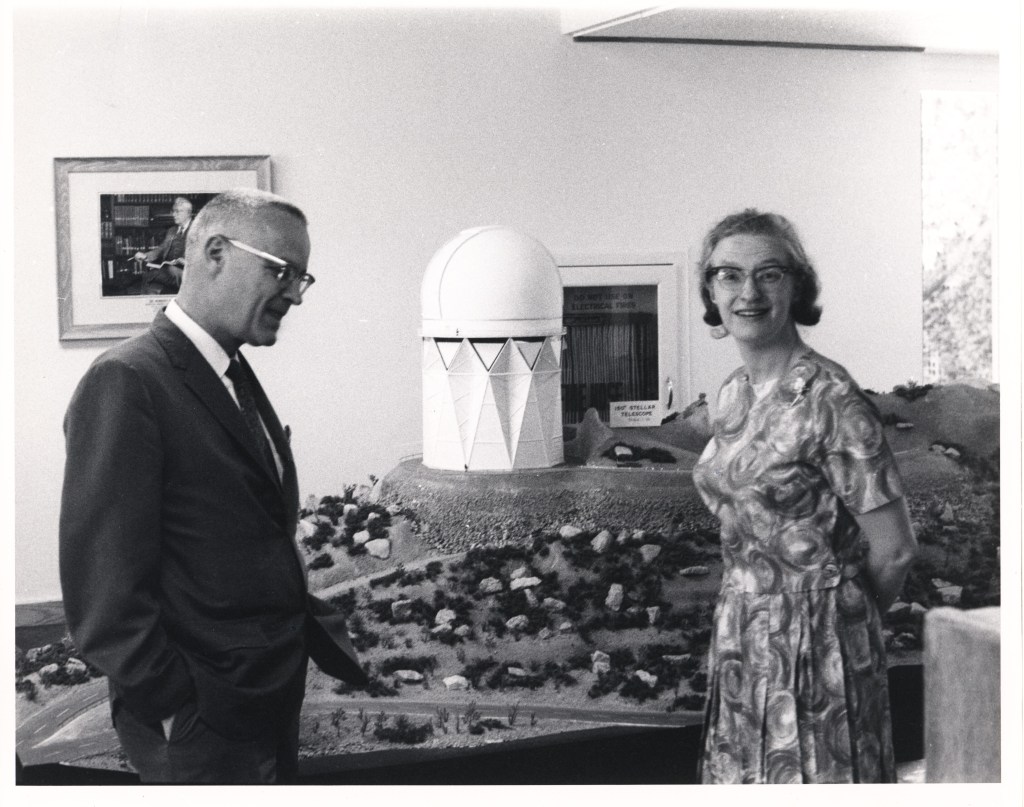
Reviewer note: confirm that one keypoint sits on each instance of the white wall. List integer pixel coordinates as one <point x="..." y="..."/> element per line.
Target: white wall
<point x="397" y="129"/>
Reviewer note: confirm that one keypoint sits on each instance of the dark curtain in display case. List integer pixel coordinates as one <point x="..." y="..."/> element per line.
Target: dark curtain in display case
<point x="610" y="350"/>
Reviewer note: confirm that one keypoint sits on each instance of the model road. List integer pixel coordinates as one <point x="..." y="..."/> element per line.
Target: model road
<point x="48" y="736"/>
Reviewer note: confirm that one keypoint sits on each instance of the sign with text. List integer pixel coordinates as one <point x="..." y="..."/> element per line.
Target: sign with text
<point x="634" y="413"/>
<point x="605" y="301"/>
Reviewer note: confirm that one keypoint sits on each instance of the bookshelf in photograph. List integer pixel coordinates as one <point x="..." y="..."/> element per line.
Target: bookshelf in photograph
<point x="132" y="223"/>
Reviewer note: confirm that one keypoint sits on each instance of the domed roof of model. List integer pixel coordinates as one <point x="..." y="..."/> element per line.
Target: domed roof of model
<point x="492" y="282"/>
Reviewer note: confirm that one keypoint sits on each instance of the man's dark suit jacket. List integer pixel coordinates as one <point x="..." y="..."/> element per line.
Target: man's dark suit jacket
<point x="163" y="281"/>
<point x="172" y="247"/>
<point x="178" y="567"/>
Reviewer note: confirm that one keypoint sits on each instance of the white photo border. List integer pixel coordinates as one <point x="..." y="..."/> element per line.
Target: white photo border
<point x="83" y="312"/>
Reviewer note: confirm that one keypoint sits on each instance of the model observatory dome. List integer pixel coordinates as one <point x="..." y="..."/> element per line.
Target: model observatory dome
<point x="492" y="342"/>
<point x="492" y="281"/>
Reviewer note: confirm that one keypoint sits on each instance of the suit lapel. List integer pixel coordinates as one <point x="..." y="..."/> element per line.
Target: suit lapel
<point x="200" y="378"/>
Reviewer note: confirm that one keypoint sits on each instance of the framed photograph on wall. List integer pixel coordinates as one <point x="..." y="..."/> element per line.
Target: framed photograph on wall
<point x="121" y="227"/>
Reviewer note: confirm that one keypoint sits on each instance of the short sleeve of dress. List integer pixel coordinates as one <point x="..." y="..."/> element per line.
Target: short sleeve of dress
<point x="858" y="464"/>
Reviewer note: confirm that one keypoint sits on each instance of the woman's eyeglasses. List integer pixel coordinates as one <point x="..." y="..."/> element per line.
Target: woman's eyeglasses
<point x="733" y="279"/>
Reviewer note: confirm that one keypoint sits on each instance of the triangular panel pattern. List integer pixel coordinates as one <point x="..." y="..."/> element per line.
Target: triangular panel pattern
<point x="436" y="399"/>
<point x="442" y="443"/>
<point x="548" y="359"/>
<point x="510" y="395"/>
<point x="556" y="347"/>
<point x="531" y="440"/>
<point x="509" y="361"/>
<point x="467" y="390"/>
<point x="487" y="351"/>
<point x="548" y="390"/>
<point x="532" y="455"/>
<point x="491" y="428"/>
<point x="529" y="350"/>
<point x="525" y="430"/>
<point x="489" y="450"/>
<point x="466" y="360"/>
<point x="433" y="382"/>
<point x="448" y="350"/>
<point x="489" y="457"/>
<point x="532" y="430"/>
<point x="504" y="418"/>
<point x="431" y="357"/>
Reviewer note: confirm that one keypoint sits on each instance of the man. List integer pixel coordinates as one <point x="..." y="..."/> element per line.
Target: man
<point x="181" y="578"/>
<point x="162" y="279"/>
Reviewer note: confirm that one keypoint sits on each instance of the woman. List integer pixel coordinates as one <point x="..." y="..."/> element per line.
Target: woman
<point x="816" y="537"/>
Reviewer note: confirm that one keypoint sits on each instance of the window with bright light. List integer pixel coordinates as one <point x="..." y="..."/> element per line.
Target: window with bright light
<point x="959" y="176"/>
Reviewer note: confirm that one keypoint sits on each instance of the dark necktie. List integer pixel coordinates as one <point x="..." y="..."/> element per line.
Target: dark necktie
<point x="250" y="413"/>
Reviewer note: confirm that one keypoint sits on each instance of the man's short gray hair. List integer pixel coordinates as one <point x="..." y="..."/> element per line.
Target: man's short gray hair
<point x="245" y="203"/>
<point x="230" y="207"/>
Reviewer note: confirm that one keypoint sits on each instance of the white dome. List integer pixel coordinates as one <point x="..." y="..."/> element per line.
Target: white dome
<point x="492" y="282"/>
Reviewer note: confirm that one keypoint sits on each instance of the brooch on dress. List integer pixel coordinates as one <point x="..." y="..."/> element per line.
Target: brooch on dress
<point x="796" y="385"/>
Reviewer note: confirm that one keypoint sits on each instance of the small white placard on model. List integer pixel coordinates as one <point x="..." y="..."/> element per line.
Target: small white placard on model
<point x="635" y="413"/>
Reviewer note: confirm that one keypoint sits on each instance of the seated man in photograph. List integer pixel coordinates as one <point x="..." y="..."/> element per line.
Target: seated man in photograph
<point x="161" y="278"/>
<point x="180" y="574"/>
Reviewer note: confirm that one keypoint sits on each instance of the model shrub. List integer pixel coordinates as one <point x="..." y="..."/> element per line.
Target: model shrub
<point x="375" y="688"/>
<point x="334" y="506"/>
<point x="606" y="682"/>
<point x="362" y="637"/>
<point x="579" y="660"/>
<point x="462" y="607"/>
<point x="638" y="690"/>
<point x="582" y="556"/>
<point x="622" y="658"/>
<point x="681" y="553"/>
<point x="532" y="681"/>
<point x="411" y="578"/>
<point x="475" y="670"/>
<point x="321" y="561"/>
<point x="911" y="391"/>
<point x="689" y="702"/>
<point x="388" y="578"/>
<point x="26" y="687"/>
<point x="58" y="653"/>
<point x="558" y="674"/>
<point x="491" y="724"/>
<point x="421" y="664"/>
<point x="345" y="602"/>
<point x="433" y="569"/>
<point x="381" y="609"/>
<point x="403" y="730"/>
<point x="320" y="536"/>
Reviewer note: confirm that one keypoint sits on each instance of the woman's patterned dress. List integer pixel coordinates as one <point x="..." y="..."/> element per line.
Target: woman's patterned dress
<point x="798" y="689"/>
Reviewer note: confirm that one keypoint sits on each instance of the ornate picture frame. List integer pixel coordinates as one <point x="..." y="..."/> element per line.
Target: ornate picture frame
<point x="108" y="208"/>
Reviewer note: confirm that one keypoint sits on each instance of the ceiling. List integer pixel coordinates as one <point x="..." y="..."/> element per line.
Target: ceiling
<point x="965" y="27"/>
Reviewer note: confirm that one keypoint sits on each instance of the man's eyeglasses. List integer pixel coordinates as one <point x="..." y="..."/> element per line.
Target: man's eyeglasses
<point x="733" y="279"/>
<point x="286" y="273"/>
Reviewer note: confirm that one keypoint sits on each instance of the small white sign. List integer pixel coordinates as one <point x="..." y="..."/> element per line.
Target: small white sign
<point x="635" y="413"/>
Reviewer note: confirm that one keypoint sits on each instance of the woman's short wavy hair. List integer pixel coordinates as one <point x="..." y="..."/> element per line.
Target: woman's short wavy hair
<point x="805" y="310"/>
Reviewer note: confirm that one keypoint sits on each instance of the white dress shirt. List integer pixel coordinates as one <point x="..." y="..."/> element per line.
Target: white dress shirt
<point x="216" y="357"/>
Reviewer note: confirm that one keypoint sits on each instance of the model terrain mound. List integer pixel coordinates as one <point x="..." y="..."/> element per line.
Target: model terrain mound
<point x="489" y="606"/>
